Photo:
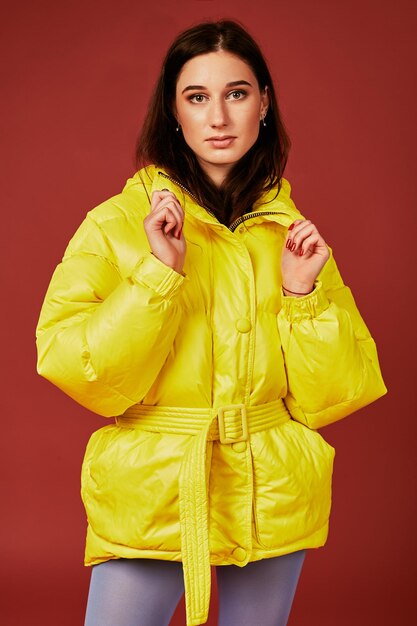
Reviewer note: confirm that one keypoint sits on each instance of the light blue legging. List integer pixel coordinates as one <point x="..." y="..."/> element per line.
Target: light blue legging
<point x="145" y="592"/>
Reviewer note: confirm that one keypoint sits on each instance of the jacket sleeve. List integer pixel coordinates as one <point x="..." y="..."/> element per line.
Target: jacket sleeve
<point x="103" y="338"/>
<point x="330" y="357"/>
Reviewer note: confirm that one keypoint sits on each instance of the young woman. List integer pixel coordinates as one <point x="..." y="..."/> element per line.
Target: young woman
<point x="204" y="314"/>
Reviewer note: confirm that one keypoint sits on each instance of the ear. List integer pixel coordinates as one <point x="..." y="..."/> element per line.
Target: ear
<point x="265" y="102"/>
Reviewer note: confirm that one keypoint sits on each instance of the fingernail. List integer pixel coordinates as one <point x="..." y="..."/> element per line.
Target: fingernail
<point x="301" y="252"/>
<point x="289" y="243"/>
<point x="291" y="227"/>
<point x="293" y="247"/>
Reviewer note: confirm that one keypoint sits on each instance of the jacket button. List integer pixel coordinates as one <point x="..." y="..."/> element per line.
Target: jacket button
<point x="243" y="325"/>
<point x="239" y="554"/>
<point x="239" y="446"/>
<point x="242" y="229"/>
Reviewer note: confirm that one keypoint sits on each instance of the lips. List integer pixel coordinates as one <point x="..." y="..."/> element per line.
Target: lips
<point x="221" y="141"/>
<point x="220" y="137"/>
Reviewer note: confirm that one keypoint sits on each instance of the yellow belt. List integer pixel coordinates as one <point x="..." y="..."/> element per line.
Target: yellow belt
<point x="229" y="424"/>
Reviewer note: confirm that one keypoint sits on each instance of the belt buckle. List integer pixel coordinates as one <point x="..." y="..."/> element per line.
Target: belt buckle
<point x="222" y="426"/>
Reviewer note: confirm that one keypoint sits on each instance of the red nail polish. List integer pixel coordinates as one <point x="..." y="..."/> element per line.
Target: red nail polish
<point x="288" y="244"/>
<point x="293" y="247"/>
<point x="291" y="227"/>
<point x="301" y="252"/>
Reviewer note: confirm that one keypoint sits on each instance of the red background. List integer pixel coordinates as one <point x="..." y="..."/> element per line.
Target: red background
<point x="76" y="79"/>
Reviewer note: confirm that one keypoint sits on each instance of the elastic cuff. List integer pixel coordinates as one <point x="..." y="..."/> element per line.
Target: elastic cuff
<point x="156" y="275"/>
<point x="305" y="307"/>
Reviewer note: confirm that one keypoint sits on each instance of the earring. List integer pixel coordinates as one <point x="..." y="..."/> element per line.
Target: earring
<point x="263" y="119"/>
<point x="178" y="127"/>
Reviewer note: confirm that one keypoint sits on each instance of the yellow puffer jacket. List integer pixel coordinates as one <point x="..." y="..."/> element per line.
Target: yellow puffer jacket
<point x="216" y="382"/>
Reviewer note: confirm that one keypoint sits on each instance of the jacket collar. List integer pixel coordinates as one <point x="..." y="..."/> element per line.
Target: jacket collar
<point x="282" y="208"/>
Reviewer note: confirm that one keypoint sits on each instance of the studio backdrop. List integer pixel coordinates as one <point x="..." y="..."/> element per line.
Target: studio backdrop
<point x="76" y="78"/>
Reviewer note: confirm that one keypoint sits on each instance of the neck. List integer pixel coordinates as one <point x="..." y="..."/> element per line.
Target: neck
<point x="217" y="173"/>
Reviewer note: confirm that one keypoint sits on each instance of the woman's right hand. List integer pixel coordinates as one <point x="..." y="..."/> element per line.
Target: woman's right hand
<point x="163" y="228"/>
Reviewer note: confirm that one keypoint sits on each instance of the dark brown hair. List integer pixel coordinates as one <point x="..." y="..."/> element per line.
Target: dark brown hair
<point x="257" y="171"/>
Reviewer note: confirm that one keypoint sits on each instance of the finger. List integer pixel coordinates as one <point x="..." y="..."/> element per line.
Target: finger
<point x="294" y="224"/>
<point x="159" y="195"/>
<point x="171" y="200"/>
<point x="309" y="245"/>
<point x="176" y="228"/>
<point x="162" y="219"/>
<point x="168" y="202"/>
<point x="177" y="212"/>
<point x="295" y="227"/>
<point x="300" y="228"/>
<point x="171" y="227"/>
<point x="298" y="237"/>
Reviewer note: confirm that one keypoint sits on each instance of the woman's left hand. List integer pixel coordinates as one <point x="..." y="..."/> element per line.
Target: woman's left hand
<point x="303" y="256"/>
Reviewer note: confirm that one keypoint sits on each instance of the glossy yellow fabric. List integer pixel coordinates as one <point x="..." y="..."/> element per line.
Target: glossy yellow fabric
<point x="164" y="354"/>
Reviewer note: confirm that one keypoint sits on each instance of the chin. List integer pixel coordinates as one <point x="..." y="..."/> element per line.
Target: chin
<point x="224" y="158"/>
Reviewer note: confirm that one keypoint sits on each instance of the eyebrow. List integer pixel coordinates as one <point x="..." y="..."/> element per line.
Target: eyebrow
<point x="234" y="83"/>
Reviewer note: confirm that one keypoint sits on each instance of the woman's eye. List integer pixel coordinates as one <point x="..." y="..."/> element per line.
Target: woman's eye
<point x="237" y="95"/>
<point x="198" y="97"/>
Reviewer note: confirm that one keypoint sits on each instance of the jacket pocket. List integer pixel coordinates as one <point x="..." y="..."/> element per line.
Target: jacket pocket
<point x="131" y="488"/>
<point x="95" y="445"/>
<point x="312" y="439"/>
<point x="292" y="467"/>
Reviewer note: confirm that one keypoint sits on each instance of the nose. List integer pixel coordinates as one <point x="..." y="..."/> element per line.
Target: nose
<point x="218" y="115"/>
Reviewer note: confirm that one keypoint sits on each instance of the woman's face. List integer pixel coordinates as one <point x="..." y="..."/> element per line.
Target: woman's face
<point x="219" y="106"/>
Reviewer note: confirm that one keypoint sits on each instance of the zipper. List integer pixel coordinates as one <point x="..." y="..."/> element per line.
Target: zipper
<point x="235" y="222"/>
<point x="248" y="216"/>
